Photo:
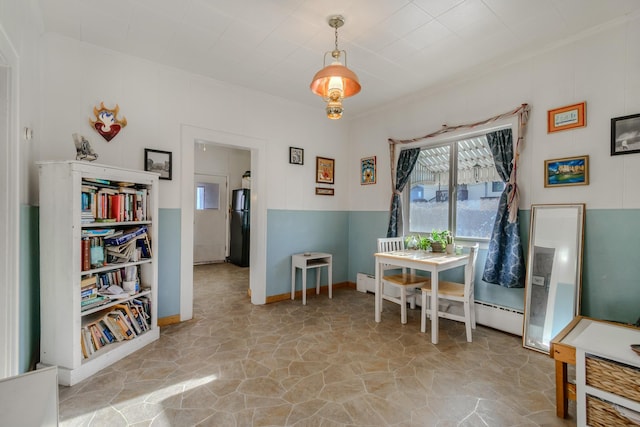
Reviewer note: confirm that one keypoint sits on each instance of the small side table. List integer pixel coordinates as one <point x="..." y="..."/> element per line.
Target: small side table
<point x="304" y="262"/>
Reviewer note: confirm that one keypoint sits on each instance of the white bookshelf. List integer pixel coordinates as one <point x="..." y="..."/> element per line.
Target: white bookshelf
<point x="61" y="317"/>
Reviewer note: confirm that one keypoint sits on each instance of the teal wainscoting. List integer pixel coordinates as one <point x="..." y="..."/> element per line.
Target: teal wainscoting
<point x="365" y="227"/>
<point x="169" y="262"/>
<point x="29" y="340"/>
<point x="611" y="270"/>
<point x="291" y="232"/>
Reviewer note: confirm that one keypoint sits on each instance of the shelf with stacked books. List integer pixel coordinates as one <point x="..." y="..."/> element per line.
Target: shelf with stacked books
<point x="98" y="231"/>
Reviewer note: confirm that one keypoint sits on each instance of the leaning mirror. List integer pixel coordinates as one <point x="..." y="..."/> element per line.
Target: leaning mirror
<point x="554" y="272"/>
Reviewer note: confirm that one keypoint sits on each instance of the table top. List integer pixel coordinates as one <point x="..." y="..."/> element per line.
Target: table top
<point x="435" y="258"/>
<point x="600" y="337"/>
<point x="312" y="255"/>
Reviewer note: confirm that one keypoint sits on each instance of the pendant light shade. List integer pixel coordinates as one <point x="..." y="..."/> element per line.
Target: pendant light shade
<point x="335" y="82"/>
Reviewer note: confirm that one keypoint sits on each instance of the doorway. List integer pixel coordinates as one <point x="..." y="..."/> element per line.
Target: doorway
<point x="210" y="219"/>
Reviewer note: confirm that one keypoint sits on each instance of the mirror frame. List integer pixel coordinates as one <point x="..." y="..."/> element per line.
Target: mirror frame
<point x="536" y="214"/>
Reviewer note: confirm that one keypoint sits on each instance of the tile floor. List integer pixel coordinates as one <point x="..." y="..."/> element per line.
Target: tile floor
<point x="324" y="364"/>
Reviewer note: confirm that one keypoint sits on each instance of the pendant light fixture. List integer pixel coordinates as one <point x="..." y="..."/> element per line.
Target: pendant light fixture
<point x="335" y="82"/>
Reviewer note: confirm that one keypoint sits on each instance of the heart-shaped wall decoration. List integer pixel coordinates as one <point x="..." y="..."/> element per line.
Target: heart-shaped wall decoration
<point x="107" y="123"/>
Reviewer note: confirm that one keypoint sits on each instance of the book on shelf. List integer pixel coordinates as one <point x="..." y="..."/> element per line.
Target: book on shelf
<point x="129" y="317"/>
<point x="86" y="254"/>
<point x="126" y="330"/>
<point x="93" y="302"/>
<point x="113" y="327"/>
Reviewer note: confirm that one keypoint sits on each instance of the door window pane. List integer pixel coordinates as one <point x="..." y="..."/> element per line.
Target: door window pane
<point x="207" y="196"/>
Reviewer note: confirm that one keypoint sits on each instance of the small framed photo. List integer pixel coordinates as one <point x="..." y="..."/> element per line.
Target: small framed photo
<point x="158" y="161"/>
<point x="324" y="191"/>
<point x="625" y="135"/>
<point x="324" y="170"/>
<point x="566" y="171"/>
<point x="368" y="170"/>
<point x="569" y="117"/>
<point x="296" y="156"/>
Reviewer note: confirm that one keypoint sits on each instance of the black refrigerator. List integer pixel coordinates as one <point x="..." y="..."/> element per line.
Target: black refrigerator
<point x="239" y="228"/>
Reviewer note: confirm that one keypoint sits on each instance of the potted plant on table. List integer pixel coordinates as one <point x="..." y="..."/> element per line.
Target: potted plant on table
<point x="440" y="239"/>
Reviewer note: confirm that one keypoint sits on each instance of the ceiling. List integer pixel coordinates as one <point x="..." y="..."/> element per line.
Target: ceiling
<point x="396" y="47"/>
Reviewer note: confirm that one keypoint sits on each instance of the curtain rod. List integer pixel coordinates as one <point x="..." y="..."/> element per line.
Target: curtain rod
<point x="522" y="111"/>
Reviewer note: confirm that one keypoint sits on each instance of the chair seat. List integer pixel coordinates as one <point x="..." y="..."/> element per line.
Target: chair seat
<point x="452" y="289"/>
<point x="407" y="279"/>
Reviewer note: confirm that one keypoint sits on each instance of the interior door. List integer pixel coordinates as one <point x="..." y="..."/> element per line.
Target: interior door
<point x="210" y="223"/>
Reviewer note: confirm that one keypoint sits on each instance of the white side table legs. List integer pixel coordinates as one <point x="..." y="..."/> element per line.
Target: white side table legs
<point x="307" y="261"/>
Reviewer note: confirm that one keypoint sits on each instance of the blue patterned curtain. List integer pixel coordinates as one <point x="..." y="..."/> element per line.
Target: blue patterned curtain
<point x="505" y="259"/>
<point x="406" y="162"/>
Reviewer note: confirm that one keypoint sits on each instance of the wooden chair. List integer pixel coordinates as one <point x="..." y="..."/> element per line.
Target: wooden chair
<point x="452" y="291"/>
<point x="406" y="282"/>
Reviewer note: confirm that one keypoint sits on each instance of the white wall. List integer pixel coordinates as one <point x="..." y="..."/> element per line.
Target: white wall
<point x="224" y="161"/>
<point x="157" y="100"/>
<point x="601" y="68"/>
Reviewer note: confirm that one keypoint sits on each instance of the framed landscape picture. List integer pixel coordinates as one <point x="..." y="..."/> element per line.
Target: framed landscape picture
<point x="566" y="171"/>
<point x="625" y="135"/>
<point x="368" y="170"/>
<point x="158" y="161"/>
<point x="324" y="170"/>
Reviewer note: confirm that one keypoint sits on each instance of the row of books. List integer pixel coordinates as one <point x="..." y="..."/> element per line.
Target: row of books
<point x="124" y="322"/>
<point x="113" y="204"/>
<point x="116" y="247"/>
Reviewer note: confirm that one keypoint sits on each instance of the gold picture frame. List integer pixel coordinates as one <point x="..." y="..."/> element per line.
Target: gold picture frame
<point x="567" y="171"/>
<point x="325" y="170"/>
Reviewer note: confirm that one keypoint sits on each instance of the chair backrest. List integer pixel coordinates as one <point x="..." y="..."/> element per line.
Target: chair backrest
<point x="470" y="269"/>
<point x="388" y="244"/>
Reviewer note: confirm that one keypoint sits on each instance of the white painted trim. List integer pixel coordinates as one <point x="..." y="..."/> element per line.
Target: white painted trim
<point x="10" y="204"/>
<point x="258" y="251"/>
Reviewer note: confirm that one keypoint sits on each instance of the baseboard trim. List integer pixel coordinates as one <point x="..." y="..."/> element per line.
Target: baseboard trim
<point x="310" y="291"/>
<point x="169" y="320"/>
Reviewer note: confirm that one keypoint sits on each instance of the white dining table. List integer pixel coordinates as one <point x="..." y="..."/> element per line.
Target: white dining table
<point x="432" y="262"/>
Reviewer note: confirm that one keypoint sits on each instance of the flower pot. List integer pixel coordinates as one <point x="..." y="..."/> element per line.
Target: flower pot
<point x="437" y="247"/>
<point x="451" y="248"/>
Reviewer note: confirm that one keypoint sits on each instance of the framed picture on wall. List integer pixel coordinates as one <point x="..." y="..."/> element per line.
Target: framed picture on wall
<point x="324" y="170"/>
<point x="296" y="156"/>
<point x="368" y="170"/>
<point x="566" y="171"/>
<point x="625" y="135"/>
<point x="158" y="161"/>
<point x="569" y="117"/>
<point x="324" y="191"/>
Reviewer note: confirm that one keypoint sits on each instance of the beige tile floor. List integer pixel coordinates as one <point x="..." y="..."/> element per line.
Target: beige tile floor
<point x="324" y="364"/>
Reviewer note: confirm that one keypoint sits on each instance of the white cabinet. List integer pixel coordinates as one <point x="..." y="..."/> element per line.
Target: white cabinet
<point x="607" y="375"/>
<point x="62" y="270"/>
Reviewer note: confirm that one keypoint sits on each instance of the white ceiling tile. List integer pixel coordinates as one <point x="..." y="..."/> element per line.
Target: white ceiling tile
<point x="398" y="49"/>
<point x="470" y="19"/>
<point x="436" y="8"/>
<point x="406" y="20"/>
<point x="428" y="34"/>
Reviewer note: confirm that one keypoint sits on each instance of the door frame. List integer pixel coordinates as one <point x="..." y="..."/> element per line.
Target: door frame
<point x="10" y="206"/>
<point x="258" y="216"/>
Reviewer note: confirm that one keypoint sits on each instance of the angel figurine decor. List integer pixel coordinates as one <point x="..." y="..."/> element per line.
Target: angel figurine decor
<point x="83" y="148"/>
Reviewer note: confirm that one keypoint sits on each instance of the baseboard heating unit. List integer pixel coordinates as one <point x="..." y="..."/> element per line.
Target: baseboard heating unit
<point x="501" y="318"/>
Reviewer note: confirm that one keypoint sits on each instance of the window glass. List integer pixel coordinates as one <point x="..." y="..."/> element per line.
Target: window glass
<point x="207" y="196"/>
<point x="471" y="211"/>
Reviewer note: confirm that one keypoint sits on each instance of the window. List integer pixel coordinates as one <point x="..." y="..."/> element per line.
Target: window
<point x="455" y="186"/>
<point x="207" y="196"/>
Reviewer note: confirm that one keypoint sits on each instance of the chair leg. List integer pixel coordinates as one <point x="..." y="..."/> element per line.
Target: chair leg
<point x="473" y="313"/>
<point x="467" y="320"/>
<point x="423" y="313"/>
<point x="412" y="300"/>
<point x="403" y="305"/>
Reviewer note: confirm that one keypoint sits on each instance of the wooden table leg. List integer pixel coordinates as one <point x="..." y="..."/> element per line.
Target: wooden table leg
<point x="562" y="402"/>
